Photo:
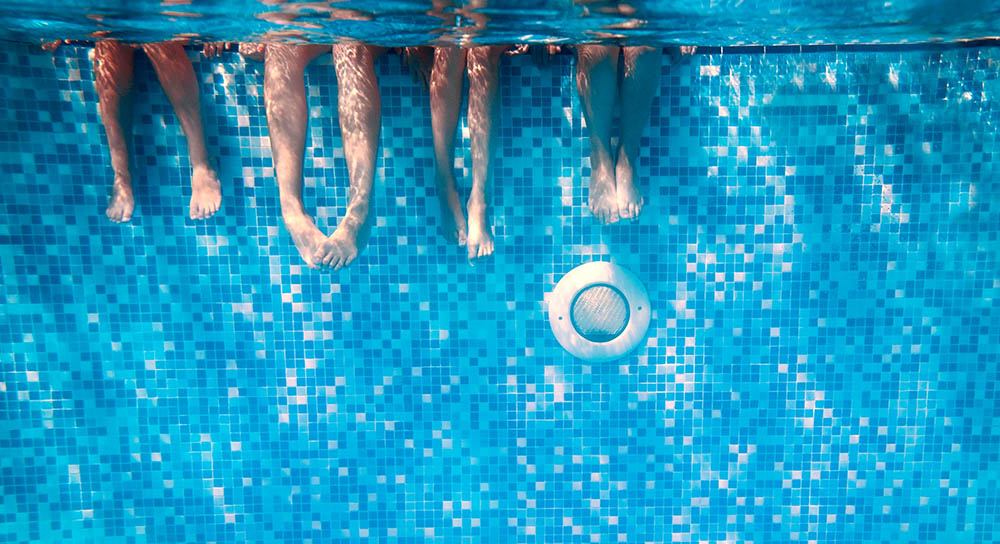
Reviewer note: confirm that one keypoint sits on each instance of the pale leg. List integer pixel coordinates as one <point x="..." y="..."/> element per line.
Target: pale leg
<point x="287" y="117"/>
<point x="446" y="99"/>
<point x="113" y="65"/>
<point x="597" y="83"/>
<point x="173" y="68"/>
<point x="359" y="107"/>
<point x="641" y="79"/>
<point x="483" y="63"/>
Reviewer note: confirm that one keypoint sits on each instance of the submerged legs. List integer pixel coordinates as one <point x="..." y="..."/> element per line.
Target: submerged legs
<point x="597" y="83"/>
<point x="113" y="66"/>
<point x="613" y="190"/>
<point x="639" y="83"/>
<point x="360" y="111"/>
<point x="173" y="68"/>
<point x="359" y="106"/>
<point x="482" y="65"/>
<point x="446" y="99"/>
<point x="285" y="104"/>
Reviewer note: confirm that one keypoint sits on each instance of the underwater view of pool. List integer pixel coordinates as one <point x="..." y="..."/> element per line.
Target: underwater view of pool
<point x="819" y="243"/>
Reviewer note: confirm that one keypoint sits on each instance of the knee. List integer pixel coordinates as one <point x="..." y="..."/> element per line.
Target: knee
<point x="166" y="53"/>
<point x="486" y="57"/>
<point x="352" y="54"/>
<point x="641" y="61"/>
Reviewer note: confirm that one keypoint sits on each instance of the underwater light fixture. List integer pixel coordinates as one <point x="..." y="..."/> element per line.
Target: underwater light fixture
<point x="599" y="311"/>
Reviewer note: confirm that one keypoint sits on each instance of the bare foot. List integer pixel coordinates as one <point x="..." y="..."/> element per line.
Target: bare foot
<point x="603" y="200"/>
<point x="306" y="236"/>
<point x="121" y="203"/>
<point x="480" y="234"/>
<point x="205" y="194"/>
<point x="339" y="250"/>
<point x="629" y="198"/>
<point x="453" y="226"/>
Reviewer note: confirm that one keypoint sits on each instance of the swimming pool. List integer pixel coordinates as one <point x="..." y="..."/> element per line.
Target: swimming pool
<point x="820" y="250"/>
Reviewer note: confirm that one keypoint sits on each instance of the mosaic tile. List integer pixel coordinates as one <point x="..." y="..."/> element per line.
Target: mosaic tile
<point x="820" y="247"/>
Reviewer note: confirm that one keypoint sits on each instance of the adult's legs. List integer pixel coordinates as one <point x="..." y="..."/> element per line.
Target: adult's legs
<point x="359" y="106"/>
<point x="639" y="84"/>
<point x="113" y="65"/>
<point x="483" y="63"/>
<point x="173" y="68"/>
<point x="287" y="117"/>
<point x="446" y="99"/>
<point x="597" y="83"/>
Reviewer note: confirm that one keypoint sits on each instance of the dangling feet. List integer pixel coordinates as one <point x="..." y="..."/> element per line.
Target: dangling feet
<point x="121" y="202"/>
<point x="205" y="193"/>
<point x="452" y="219"/>
<point x="305" y="235"/>
<point x="480" y="234"/>
<point x="628" y="197"/>
<point x="338" y="250"/>
<point x="603" y="198"/>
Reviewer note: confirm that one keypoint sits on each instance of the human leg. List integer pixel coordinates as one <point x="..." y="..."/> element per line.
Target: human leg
<point x="483" y="66"/>
<point x="597" y="83"/>
<point x="113" y="66"/>
<point x="639" y="83"/>
<point x="287" y="117"/>
<point x="446" y="99"/>
<point x="173" y="68"/>
<point x="359" y="106"/>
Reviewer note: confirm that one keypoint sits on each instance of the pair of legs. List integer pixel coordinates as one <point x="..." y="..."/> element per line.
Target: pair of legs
<point x="450" y="63"/>
<point x="360" y="110"/>
<point x="114" y="67"/>
<point x="613" y="191"/>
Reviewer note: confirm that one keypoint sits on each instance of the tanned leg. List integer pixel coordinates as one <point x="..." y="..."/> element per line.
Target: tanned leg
<point x="287" y="117"/>
<point x="597" y="83"/>
<point x="113" y="65"/>
<point x="641" y="79"/>
<point x="173" y="68"/>
<point x="359" y="107"/>
<point x="483" y="89"/>
<point x="446" y="99"/>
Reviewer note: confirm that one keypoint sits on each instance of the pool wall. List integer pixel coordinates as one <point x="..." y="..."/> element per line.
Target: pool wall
<point x="820" y="247"/>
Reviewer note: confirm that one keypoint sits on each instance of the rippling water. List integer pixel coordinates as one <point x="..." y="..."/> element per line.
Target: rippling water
<point x="407" y="22"/>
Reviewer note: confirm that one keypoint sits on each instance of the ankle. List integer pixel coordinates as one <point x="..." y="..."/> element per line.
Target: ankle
<point x="202" y="166"/>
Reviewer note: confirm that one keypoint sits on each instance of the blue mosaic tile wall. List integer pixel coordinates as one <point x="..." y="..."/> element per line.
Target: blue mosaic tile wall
<point x="820" y="249"/>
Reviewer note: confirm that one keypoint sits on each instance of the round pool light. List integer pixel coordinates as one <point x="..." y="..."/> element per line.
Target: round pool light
<point x="599" y="311"/>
